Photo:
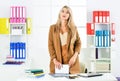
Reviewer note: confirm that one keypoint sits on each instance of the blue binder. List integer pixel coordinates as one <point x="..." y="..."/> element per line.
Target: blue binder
<point x="97" y="38"/>
<point x="23" y="50"/>
<point x="106" y="34"/>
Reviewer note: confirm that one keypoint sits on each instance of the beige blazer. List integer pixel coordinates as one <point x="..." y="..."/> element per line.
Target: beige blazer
<point x="54" y="47"/>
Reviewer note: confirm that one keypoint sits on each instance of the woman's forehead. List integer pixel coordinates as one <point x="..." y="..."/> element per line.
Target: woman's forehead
<point x="65" y="9"/>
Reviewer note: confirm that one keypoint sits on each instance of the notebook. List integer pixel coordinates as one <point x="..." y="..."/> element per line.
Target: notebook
<point x="64" y="69"/>
<point x="90" y="74"/>
<point x="63" y="72"/>
<point x="60" y="75"/>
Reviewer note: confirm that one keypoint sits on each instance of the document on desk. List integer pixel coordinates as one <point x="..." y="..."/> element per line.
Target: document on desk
<point x="64" y="69"/>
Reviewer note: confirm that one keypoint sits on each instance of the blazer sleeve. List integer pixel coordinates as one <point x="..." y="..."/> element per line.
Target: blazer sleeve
<point x="51" y="43"/>
<point x="77" y="45"/>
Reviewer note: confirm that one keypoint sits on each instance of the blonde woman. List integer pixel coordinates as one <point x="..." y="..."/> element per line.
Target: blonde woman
<point x="64" y="43"/>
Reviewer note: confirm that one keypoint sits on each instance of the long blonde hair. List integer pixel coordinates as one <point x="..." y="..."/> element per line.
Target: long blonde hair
<point x="70" y="22"/>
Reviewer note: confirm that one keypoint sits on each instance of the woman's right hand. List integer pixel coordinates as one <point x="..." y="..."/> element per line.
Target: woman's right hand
<point x="57" y="64"/>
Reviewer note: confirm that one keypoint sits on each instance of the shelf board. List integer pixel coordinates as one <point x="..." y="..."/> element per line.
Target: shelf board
<point x="18" y="23"/>
<point x="103" y="71"/>
<point x="102" y="23"/>
<point x="106" y="60"/>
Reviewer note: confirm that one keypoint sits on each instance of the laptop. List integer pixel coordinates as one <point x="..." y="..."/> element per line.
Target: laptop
<point x="89" y="74"/>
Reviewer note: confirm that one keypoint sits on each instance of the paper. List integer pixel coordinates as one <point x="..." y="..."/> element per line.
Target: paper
<point x="64" y="69"/>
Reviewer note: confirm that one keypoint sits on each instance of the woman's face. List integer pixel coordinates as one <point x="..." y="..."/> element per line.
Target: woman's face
<point x="64" y="14"/>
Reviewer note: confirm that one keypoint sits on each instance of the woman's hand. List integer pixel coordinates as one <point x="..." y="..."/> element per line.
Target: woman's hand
<point x="73" y="59"/>
<point x="57" y="64"/>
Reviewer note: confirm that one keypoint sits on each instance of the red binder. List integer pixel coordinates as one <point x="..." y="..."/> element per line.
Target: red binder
<point x="107" y="16"/>
<point x="100" y="17"/>
<point x="113" y="28"/>
<point x="95" y="16"/>
<point x="90" y="29"/>
<point x="104" y="16"/>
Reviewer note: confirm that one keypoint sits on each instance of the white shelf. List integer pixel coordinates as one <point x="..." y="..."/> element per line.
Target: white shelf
<point x="99" y="46"/>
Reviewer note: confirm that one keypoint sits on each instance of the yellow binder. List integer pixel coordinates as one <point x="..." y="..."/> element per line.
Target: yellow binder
<point x="4" y="25"/>
<point x="29" y="25"/>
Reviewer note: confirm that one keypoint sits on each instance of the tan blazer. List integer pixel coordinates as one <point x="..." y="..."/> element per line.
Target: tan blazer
<point x="54" y="47"/>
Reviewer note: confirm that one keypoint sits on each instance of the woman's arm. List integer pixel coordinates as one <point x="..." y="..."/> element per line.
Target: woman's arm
<point x="77" y="47"/>
<point x="51" y="44"/>
<point x="73" y="59"/>
<point x="77" y="44"/>
<point x="52" y="49"/>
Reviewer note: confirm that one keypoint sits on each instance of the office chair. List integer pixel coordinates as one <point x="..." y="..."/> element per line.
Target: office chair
<point x="83" y="69"/>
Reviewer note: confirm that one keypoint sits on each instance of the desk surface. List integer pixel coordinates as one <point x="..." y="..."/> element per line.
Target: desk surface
<point x="104" y="77"/>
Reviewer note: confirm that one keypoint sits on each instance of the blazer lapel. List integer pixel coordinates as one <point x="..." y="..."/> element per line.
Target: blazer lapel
<point x="58" y="44"/>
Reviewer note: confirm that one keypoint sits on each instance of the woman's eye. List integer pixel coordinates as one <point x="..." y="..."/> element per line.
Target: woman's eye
<point x="67" y="12"/>
<point x="62" y="11"/>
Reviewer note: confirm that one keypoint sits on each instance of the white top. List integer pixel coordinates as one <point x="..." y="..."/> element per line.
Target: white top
<point x="63" y="38"/>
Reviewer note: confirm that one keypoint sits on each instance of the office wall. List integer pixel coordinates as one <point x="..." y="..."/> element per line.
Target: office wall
<point x="113" y="7"/>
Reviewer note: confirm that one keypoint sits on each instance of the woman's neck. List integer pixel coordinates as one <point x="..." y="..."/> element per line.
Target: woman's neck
<point x="63" y="27"/>
<point x="63" y="23"/>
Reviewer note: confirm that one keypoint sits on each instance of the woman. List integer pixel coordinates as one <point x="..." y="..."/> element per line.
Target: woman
<point x="64" y="42"/>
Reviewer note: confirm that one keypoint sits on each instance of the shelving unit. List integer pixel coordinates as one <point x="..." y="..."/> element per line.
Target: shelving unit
<point x="16" y="28"/>
<point x="99" y="36"/>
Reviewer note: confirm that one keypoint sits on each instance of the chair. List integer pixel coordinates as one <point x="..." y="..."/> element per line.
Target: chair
<point x="83" y="69"/>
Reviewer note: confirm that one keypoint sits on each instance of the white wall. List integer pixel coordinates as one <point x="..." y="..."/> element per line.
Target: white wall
<point x="113" y="7"/>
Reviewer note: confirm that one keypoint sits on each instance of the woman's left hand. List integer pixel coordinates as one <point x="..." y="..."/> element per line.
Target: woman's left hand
<point x="73" y="59"/>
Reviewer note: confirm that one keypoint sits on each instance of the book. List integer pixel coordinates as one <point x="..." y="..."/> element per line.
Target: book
<point x="34" y="71"/>
<point x="32" y="75"/>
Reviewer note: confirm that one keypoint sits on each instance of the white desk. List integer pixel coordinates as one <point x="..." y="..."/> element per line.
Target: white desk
<point x="105" y="77"/>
